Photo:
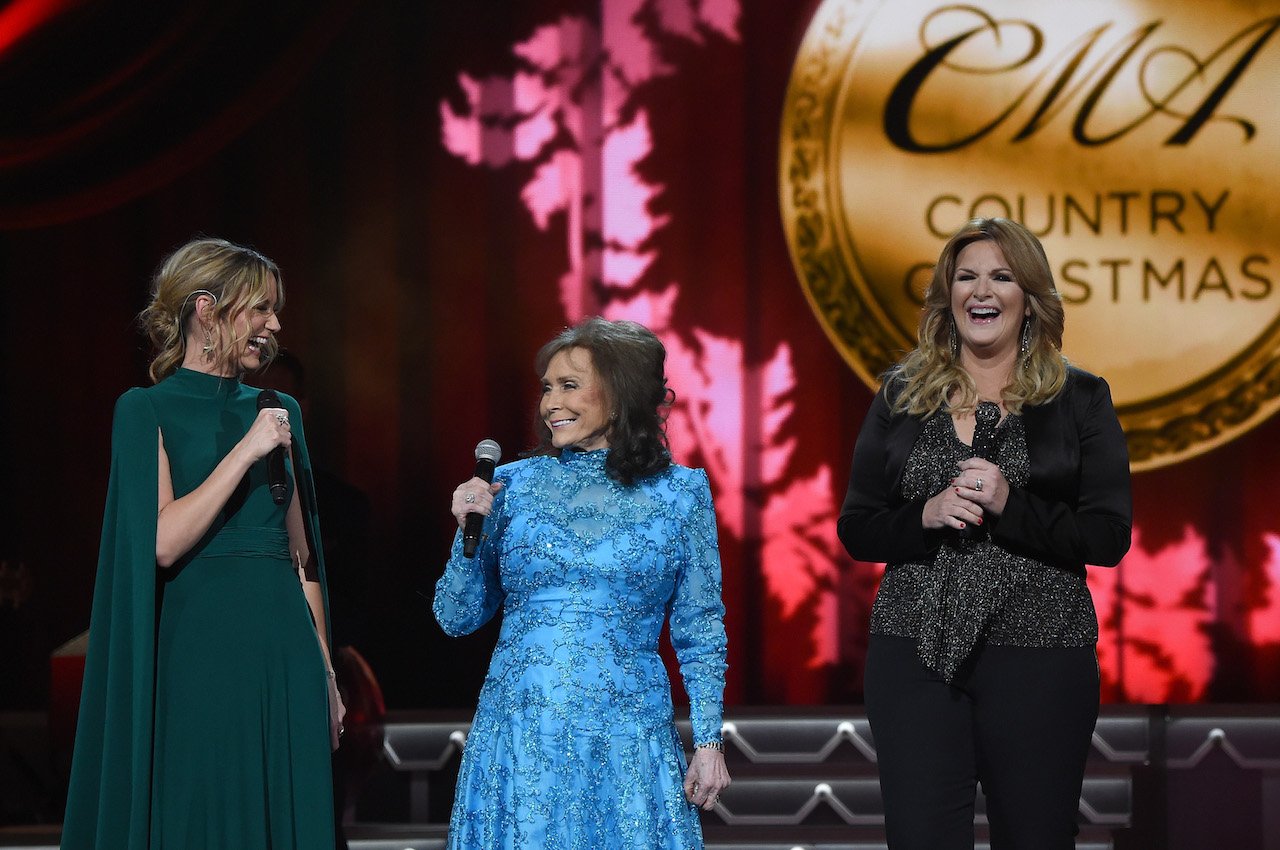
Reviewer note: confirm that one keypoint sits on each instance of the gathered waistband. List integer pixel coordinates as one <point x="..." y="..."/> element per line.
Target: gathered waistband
<point x="247" y="542"/>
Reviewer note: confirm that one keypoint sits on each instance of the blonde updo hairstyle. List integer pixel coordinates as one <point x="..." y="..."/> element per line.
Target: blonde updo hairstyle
<point x="237" y="278"/>
<point x="931" y="376"/>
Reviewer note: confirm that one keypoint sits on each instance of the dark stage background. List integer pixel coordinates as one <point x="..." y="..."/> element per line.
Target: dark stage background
<point x="445" y="185"/>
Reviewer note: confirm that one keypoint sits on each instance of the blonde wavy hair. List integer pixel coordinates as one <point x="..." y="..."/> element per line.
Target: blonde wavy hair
<point x="236" y="277"/>
<point x="931" y="377"/>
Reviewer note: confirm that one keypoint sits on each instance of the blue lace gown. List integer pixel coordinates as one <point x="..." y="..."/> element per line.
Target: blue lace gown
<point x="573" y="743"/>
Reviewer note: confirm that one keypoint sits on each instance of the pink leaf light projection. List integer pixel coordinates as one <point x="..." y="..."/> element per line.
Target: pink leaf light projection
<point x="1264" y="618"/>
<point x="1154" y="610"/>
<point x="574" y="116"/>
<point x="566" y="116"/>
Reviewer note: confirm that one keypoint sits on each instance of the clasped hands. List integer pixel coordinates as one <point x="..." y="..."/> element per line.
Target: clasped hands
<point x="979" y="487"/>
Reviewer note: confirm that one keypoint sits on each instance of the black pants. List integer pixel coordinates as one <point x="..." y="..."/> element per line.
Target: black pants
<point x="1017" y="719"/>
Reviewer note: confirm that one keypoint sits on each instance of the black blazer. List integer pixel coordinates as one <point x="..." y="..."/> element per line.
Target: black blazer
<point x="1075" y="510"/>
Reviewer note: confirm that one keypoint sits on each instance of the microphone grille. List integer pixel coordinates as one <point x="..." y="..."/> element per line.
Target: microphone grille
<point x="268" y="398"/>
<point x="488" y="450"/>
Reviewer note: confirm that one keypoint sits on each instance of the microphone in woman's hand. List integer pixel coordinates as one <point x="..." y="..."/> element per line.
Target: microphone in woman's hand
<point x="986" y="421"/>
<point x="275" y="458"/>
<point x="487" y="455"/>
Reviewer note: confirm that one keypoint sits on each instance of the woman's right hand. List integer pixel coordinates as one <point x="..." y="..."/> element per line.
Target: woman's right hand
<point x="269" y="429"/>
<point x="337" y="713"/>
<point x="949" y="509"/>
<point x="473" y="497"/>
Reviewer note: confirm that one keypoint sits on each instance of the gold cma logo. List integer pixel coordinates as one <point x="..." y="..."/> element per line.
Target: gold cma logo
<point x="1143" y="150"/>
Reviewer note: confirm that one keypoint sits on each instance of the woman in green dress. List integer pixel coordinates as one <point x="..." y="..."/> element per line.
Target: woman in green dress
<point x="209" y="706"/>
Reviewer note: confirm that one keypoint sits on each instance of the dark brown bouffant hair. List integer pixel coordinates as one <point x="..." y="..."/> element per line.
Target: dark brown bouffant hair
<point x="630" y="361"/>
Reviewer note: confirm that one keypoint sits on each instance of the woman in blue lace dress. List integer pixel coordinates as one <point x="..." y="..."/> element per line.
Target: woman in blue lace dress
<point x="590" y="544"/>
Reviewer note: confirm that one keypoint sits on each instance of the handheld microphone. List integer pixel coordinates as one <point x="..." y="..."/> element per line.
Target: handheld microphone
<point x="986" y="420"/>
<point x="488" y="454"/>
<point x="275" y="458"/>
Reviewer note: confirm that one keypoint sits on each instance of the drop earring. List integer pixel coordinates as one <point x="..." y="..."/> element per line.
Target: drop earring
<point x="1026" y="336"/>
<point x="208" y="335"/>
<point x="954" y="339"/>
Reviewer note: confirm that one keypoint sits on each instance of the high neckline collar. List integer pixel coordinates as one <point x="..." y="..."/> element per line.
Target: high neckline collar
<point x="594" y="457"/>
<point x="205" y="381"/>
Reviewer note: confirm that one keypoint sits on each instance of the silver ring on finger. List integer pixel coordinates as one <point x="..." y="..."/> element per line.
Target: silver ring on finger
<point x="470" y="498"/>
<point x="281" y="419"/>
<point x="978" y="485"/>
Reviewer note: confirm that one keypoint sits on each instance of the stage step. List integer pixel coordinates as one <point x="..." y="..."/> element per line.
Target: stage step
<point x="432" y="837"/>
<point x="790" y="770"/>
<point x="1105" y="801"/>
<point x="1183" y="777"/>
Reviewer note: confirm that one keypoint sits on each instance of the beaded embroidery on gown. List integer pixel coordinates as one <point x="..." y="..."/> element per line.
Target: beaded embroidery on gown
<point x="573" y="743"/>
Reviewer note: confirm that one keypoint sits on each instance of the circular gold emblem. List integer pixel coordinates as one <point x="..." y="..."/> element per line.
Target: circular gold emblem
<point x="1142" y="148"/>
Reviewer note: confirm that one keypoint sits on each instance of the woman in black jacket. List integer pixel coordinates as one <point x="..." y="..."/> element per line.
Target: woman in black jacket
<point x="987" y="474"/>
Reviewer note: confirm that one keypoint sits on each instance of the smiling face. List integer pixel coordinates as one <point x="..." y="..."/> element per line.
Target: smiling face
<point x="987" y="302"/>
<point x="574" y="403"/>
<point x="255" y="326"/>
<point x="242" y="343"/>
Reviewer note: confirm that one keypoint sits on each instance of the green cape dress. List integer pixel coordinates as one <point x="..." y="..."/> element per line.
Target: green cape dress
<point x="204" y="716"/>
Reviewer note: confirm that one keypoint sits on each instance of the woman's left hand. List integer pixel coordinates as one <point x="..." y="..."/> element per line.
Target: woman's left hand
<point x="981" y="481"/>
<point x="706" y="778"/>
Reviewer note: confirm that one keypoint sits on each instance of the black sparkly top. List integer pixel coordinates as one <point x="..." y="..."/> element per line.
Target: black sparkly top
<point x="974" y="590"/>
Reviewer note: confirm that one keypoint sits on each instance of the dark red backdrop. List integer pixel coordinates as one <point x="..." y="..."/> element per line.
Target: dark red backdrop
<point x="441" y="200"/>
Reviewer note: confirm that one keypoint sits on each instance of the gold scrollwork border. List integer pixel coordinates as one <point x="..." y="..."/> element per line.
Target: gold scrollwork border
<point x="1227" y="408"/>
<point x="806" y="181"/>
